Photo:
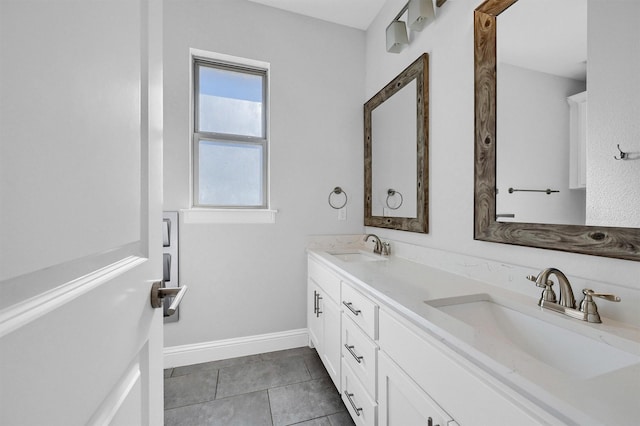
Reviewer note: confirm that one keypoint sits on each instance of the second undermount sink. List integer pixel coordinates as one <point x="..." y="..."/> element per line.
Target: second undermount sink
<point x="568" y="351"/>
<point x="357" y="256"/>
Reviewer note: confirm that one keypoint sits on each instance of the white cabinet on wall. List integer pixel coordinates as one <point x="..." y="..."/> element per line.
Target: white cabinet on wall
<point x="578" y="140"/>
<point x="323" y="317"/>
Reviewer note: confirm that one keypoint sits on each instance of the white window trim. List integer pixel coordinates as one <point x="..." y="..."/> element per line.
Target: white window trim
<point x="198" y="215"/>
<point x="204" y="215"/>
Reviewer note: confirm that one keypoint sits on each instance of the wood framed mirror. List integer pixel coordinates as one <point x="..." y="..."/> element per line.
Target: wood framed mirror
<point x="396" y="138"/>
<point x="591" y="238"/>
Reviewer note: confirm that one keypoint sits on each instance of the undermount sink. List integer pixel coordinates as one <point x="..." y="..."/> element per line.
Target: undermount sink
<point x="563" y="349"/>
<point x="357" y="256"/>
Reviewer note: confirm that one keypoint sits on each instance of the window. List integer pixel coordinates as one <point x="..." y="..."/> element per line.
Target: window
<point x="230" y="143"/>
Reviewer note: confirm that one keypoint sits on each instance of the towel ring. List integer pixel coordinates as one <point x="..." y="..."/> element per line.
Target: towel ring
<point x="337" y="190"/>
<point x="391" y="193"/>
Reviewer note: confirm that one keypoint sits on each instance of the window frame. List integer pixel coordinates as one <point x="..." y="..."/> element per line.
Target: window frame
<point x="199" y="58"/>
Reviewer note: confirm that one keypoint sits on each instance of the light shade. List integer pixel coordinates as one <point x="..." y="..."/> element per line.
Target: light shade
<point x="397" y="36"/>
<point x="421" y="13"/>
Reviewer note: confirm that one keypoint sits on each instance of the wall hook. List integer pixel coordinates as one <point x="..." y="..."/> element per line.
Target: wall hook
<point x="623" y="155"/>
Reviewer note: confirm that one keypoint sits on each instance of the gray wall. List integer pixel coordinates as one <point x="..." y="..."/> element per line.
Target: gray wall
<point x="249" y="279"/>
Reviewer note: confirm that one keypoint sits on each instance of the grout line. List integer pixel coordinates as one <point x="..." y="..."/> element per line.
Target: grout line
<point x="215" y="391"/>
<point x="270" y="410"/>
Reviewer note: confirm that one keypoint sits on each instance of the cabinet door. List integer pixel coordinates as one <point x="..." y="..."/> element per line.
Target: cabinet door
<point x="401" y="402"/>
<point x="314" y="320"/>
<point x="331" y="350"/>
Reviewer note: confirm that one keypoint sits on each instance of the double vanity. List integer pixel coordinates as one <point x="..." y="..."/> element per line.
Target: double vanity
<point x="406" y="343"/>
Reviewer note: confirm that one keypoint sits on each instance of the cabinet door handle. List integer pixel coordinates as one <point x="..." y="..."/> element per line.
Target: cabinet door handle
<point x="353" y="354"/>
<point x="353" y="404"/>
<point x="315" y="301"/>
<point x="348" y="305"/>
<point x="430" y="422"/>
<point x="318" y="312"/>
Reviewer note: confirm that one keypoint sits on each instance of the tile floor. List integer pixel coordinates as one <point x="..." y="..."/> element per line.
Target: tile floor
<point x="281" y="388"/>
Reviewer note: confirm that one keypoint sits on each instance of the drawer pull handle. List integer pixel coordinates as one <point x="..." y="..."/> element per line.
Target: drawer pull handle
<point x="353" y="404"/>
<point x="353" y="354"/>
<point x="318" y="312"/>
<point x="348" y="305"/>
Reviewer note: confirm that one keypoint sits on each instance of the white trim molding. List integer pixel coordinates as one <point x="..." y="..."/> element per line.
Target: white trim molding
<point x="204" y="216"/>
<point x="178" y="356"/>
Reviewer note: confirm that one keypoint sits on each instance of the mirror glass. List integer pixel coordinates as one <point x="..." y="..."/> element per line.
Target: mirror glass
<point x="539" y="67"/>
<point x="557" y="89"/>
<point x="396" y="140"/>
<point x="393" y="150"/>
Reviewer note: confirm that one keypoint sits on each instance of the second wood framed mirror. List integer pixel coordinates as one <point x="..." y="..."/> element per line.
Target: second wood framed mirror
<point x="396" y="140"/>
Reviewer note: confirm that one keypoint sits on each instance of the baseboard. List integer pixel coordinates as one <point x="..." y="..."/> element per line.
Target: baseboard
<point x="177" y="356"/>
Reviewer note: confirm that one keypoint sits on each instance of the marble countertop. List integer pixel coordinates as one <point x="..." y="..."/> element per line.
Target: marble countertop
<point x="604" y="397"/>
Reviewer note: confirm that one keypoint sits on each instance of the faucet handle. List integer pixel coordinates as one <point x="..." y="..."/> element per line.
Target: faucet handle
<point x="548" y="295"/>
<point x="588" y="293"/>
<point x="535" y="280"/>
<point x="588" y="306"/>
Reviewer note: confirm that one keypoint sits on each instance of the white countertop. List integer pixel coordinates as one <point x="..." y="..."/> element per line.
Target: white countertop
<point x="609" y="398"/>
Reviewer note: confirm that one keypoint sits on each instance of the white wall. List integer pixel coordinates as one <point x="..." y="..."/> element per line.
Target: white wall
<point x="613" y="111"/>
<point x="449" y="42"/>
<point x="251" y="279"/>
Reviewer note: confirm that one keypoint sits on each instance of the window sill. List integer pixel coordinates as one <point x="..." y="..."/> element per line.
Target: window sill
<point x="204" y="216"/>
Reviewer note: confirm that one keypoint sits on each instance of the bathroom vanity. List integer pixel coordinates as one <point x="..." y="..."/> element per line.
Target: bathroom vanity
<point x="408" y="344"/>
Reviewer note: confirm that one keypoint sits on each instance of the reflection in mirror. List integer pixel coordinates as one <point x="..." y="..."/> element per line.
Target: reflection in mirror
<point x="393" y="147"/>
<point x="539" y="67"/>
<point x="396" y="155"/>
<point x="604" y="221"/>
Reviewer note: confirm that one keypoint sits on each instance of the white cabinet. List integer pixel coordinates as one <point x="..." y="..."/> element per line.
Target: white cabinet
<point x="331" y="352"/>
<point x="578" y="140"/>
<point x="391" y="372"/>
<point x="314" y="323"/>
<point x="360" y="354"/>
<point x="361" y="406"/>
<point x="323" y="317"/>
<point x="457" y="385"/>
<point x="402" y="403"/>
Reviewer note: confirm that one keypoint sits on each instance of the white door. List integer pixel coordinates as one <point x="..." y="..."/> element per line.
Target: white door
<point x="80" y="213"/>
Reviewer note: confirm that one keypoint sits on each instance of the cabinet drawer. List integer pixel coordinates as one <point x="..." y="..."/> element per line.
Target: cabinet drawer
<point x="450" y="379"/>
<point x="361" y="310"/>
<point x="325" y="278"/>
<point x="362" y="408"/>
<point x="361" y="354"/>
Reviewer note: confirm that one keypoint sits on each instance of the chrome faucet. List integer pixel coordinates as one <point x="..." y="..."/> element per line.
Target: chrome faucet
<point x="379" y="247"/>
<point x="588" y="311"/>
<point x="567" y="298"/>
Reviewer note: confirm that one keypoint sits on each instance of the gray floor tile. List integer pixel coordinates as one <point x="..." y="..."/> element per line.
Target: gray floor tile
<point x="190" y="389"/>
<point x="301" y="351"/>
<point x="304" y="401"/>
<point x="341" y="419"/>
<point x="320" y="421"/>
<point x="242" y="410"/>
<point x="261" y="375"/>
<point x="315" y="366"/>
<point x="167" y="372"/>
<point x="214" y="365"/>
